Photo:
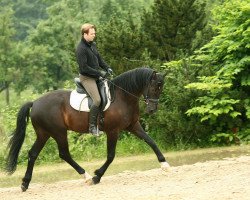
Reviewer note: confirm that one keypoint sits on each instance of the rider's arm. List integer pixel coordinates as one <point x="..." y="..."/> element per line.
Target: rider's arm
<point x="84" y="68"/>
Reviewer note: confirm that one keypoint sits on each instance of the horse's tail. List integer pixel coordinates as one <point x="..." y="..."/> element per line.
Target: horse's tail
<point x="17" y="137"/>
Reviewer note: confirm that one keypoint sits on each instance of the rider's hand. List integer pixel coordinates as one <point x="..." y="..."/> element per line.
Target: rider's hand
<point x="104" y="74"/>
<point x="110" y="71"/>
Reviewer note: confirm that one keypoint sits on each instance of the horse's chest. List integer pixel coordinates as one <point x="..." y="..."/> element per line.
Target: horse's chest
<point x="130" y="115"/>
<point x="123" y="116"/>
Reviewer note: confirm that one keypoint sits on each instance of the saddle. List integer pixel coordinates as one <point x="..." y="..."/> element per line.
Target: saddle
<point x="81" y="101"/>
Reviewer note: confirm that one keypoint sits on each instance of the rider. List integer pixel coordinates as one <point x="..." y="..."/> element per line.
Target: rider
<point x="91" y="68"/>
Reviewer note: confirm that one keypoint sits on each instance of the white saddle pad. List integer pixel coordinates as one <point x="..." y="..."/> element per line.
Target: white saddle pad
<point x="80" y="101"/>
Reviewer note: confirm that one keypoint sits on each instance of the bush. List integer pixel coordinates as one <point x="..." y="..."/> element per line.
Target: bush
<point x="170" y="126"/>
<point x="225" y="102"/>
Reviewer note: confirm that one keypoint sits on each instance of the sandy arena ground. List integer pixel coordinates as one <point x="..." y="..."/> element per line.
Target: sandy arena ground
<point x="217" y="180"/>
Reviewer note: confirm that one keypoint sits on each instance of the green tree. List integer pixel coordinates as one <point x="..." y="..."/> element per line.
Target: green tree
<point x="120" y="42"/>
<point x="120" y="8"/>
<point x="31" y="70"/>
<point x="119" y="37"/>
<point x="226" y="103"/>
<point x="28" y="15"/>
<point x="58" y="35"/>
<point x="7" y="49"/>
<point x="107" y="11"/>
<point x="171" y="27"/>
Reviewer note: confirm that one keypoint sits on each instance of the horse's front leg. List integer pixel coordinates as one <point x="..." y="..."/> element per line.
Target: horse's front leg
<point x="140" y="133"/>
<point x="111" y="146"/>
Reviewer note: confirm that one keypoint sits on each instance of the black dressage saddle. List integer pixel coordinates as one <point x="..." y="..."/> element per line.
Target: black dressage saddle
<point x="102" y="87"/>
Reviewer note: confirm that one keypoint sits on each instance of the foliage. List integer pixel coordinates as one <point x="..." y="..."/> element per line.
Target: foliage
<point x="121" y="8"/>
<point x="27" y="17"/>
<point x="8" y="51"/>
<point x="120" y="43"/>
<point x="6" y="45"/>
<point x="225" y="138"/>
<point x="244" y="134"/>
<point x="226" y="101"/>
<point x="57" y="35"/>
<point x="170" y="125"/>
<point x="171" y="26"/>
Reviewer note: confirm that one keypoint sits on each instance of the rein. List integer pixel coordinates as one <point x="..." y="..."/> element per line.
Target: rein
<point x="146" y="99"/>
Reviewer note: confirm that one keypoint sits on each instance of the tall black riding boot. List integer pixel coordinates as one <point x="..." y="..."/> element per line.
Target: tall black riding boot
<point x="93" y="115"/>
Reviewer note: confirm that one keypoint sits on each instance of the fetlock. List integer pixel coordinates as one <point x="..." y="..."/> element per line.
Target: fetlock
<point x="25" y="184"/>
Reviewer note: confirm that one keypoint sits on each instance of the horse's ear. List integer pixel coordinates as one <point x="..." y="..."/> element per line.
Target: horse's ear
<point x="154" y="77"/>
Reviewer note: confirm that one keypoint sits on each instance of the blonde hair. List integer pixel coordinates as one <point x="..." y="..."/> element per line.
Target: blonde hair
<point x="85" y="28"/>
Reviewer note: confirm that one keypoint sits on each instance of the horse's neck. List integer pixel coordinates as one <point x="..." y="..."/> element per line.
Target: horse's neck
<point x="129" y="97"/>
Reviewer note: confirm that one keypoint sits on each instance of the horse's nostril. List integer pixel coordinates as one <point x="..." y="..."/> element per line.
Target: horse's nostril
<point x="150" y="110"/>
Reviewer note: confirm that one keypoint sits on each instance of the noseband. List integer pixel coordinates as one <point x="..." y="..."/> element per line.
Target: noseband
<point x="147" y="100"/>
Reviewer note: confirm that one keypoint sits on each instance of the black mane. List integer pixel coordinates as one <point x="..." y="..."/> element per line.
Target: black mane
<point x="133" y="80"/>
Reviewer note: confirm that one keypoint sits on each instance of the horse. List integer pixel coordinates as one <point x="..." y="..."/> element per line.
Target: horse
<point x="51" y="116"/>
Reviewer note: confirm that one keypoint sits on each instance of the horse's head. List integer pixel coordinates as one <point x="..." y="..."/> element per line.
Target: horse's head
<point x="153" y="91"/>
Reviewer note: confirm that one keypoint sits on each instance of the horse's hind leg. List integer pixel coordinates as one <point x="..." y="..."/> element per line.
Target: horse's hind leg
<point x="33" y="154"/>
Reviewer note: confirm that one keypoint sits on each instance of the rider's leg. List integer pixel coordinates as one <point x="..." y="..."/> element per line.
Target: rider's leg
<point x="91" y="87"/>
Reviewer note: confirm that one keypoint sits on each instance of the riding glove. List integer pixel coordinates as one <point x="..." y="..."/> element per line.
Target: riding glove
<point x="103" y="74"/>
<point x="110" y="71"/>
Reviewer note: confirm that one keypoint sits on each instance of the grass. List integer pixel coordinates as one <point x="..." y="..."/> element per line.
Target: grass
<point x="49" y="173"/>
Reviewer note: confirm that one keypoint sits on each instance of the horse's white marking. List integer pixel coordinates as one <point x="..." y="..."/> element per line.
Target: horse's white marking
<point x="165" y="166"/>
<point x="87" y="178"/>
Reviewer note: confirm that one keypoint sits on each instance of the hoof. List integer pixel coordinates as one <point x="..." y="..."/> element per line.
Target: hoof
<point x="24" y="188"/>
<point x="89" y="182"/>
<point x="96" y="179"/>
<point x="165" y="166"/>
<point x="87" y="178"/>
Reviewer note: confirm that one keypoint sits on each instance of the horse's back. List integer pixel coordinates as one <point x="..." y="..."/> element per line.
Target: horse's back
<point x="50" y="99"/>
<point x="47" y="110"/>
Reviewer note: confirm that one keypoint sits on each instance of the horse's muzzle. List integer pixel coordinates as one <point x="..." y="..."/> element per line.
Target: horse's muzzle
<point x="151" y="108"/>
<point x="152" y="105"/>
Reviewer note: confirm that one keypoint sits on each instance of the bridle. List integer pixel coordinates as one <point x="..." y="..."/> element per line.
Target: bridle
<point x="147" y="100"/>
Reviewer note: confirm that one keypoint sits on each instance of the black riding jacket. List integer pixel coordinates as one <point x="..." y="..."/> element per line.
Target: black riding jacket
<point x="89" y="60"/>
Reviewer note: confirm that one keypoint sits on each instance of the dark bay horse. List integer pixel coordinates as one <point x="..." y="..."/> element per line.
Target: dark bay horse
<point x="51" y="116"/>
